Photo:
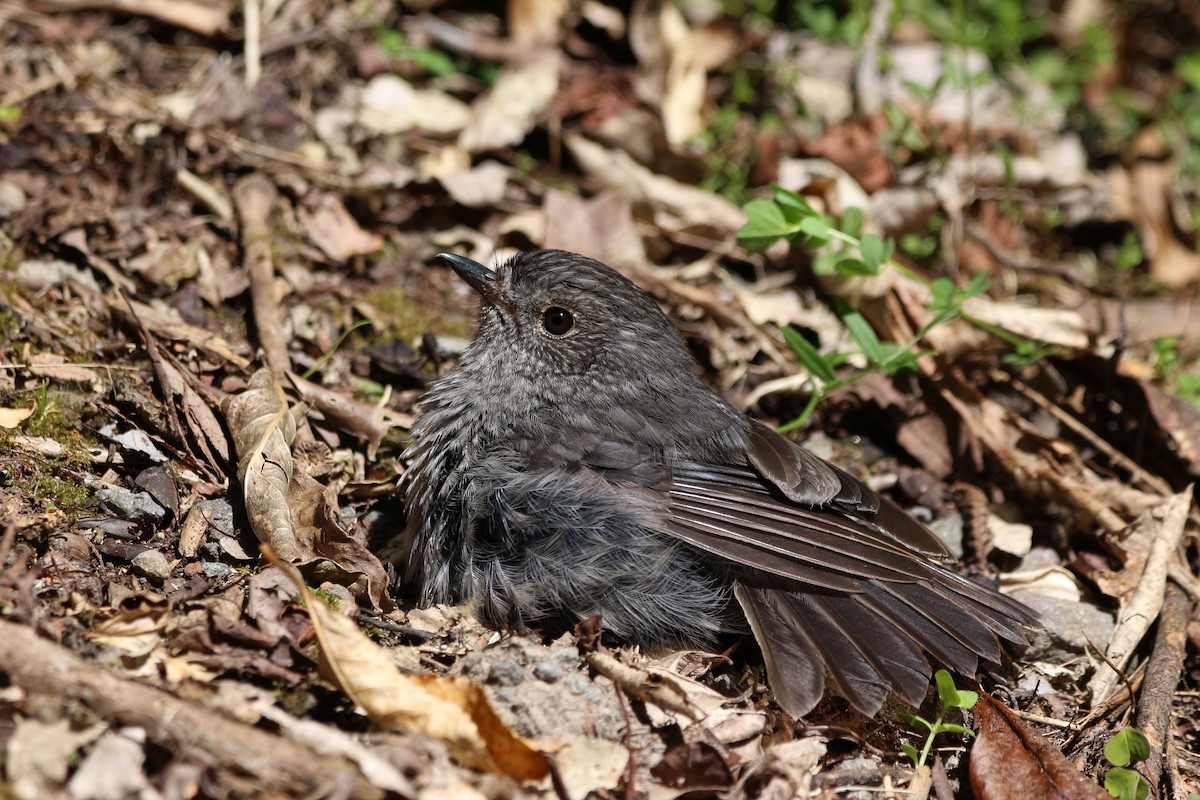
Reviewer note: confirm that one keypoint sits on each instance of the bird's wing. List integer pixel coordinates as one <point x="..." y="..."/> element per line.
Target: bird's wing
<point x="851" y="587"/>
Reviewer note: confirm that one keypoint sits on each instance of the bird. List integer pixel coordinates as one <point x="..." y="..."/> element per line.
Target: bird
<point x="573" y="463"/>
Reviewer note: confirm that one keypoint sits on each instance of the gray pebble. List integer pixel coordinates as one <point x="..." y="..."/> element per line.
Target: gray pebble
<point x="216" y="570"/>
<point x="506" y="672"/>
<point x="151" y="564"/>
<point x="577" y="683"/>
<point x="549" y="671"/>
<point x="131" y="505"/>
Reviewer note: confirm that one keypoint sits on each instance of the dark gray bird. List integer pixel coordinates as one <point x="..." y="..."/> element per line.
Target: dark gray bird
<point x="574" y="464"/>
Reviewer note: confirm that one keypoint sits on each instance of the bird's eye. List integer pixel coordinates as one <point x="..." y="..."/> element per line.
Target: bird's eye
<point x="557" y="321"/>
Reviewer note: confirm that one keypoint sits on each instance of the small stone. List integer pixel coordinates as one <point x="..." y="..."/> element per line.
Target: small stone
<point x="131" y="505"/>
<point x="216" y="570"/>
<point x="506" y="672"/>
<point x="548" y="671"/>
<point x="151" y="564"/>
<point x="577" y="683"/>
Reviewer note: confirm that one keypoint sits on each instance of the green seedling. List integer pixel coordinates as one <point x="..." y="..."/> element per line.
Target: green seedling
<point x="847" y="252"/>
<point x="951" y="697"/>
<point x="1127" y="746"/>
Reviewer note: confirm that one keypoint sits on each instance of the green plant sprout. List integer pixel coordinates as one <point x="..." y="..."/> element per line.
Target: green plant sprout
<point x="1127" y="746"/>
<point x="951" y="697"/>
<point x="849" y="253"/>
<point x="435" y="62"/>
<point x="324" y="359"/>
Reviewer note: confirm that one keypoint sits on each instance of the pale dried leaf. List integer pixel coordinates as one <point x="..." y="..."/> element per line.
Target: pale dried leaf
<point x="1014" y="538"/>
<point x="481" y="187"/>
<point x="656" y="686"/>
<point x="678" y="206"/>
<point x="136" y="631"/>
<point x="509" y="110"/>
<point x="585" y="765"/>
<point x="13" y="417"/>
<point x="115" y="768"/>
<point x="338" y="235"/>
<point x="38" y="755"/>
<point x="389" y="104"/>
<point x="1052" y="581"/>
<point x="263" y="431"/>
<point x="54" y="366"/>
<point x="535" y="22"/>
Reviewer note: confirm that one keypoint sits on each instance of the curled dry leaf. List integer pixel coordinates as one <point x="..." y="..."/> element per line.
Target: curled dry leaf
<point x="292" y="512"/>
<point x="454" y="710"/>
<point x="263" y="429"/>
<point x="1011" y="762"/>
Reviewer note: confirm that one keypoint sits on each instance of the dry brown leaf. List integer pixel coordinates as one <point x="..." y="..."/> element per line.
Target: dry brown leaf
<point x="167" y="324"/>
<point x="535" y="22"/>
<point x="1009" y="761"/>
<point x="263" y="430"/>
<point x="453" y="710"/>
<point x="652" y="686"/>
<point x="290" y="511"/>
<point x="601" y="226"/>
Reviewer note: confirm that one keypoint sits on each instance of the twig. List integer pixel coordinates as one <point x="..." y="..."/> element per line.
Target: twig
<point x="255" y="197"/>
<point x="42" y="668"/>
<point x="1147" y="597"/>
<point x="207" y="19"/>
<point x="1162" y="676"/>
<point x="252" y="47"/>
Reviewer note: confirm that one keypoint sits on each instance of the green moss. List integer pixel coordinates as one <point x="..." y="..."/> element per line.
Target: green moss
<point x="50" y="482"/>
<point x="402" y="319"/>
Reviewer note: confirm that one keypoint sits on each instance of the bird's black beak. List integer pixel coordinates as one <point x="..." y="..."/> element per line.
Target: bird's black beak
<point x="481" y="279"/>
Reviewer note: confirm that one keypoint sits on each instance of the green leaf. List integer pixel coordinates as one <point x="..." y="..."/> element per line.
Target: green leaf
<point x="810" y="358"/>
<point x="874" y="250"/>
<point x="852" y="221"/>
<point x="853" y="267"/>
<point x="912" y="753"/>
<point x="897" y="357"/>
<point x="950" y="727"/>
<point x="794" y="202"/>
<point x="818" y="230"/>
<point x="765" y="225"/>
<point x="1187" y="67"/>
<point x="951" y="695"/>
<point x="915" y="720"/>
<point x="826" y="263"/>
<point x="864" y="336"/>
<point x="1126" y="747"/>
<point x="1125" y="784"/>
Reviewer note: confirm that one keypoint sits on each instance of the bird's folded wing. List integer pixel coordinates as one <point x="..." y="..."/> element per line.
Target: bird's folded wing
<point x="733" y="512"/>
<point x="844" y="595"/>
